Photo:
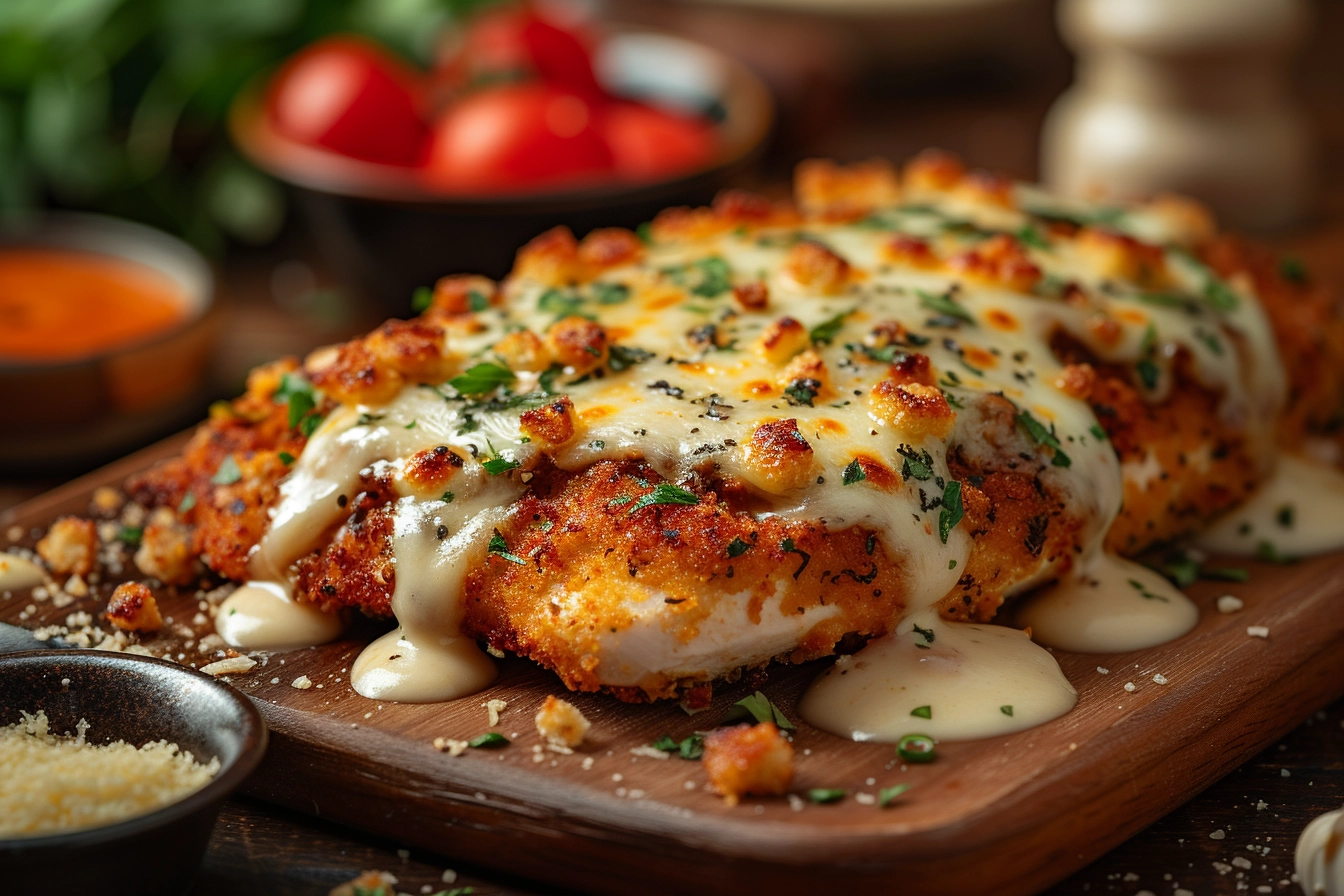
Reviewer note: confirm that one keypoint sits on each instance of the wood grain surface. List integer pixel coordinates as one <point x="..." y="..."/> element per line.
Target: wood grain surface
<point x="1008" y="814"/>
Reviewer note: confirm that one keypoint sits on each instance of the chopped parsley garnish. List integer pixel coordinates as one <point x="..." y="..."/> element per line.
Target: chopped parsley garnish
<point x="286" y="458"/>
<point x="758" y="707"/>
<point x="645" y="232"/>
<point x="477" y="300"/>
<point x="853" y="473"/>
<point x="189" y="500"/>
<point x="916" y="748"/>
<point x="1030" y="236"/>
<point x="1006" y="709"/>
<point x="943" y="304"/>
<point x="410" y="425"/>
<point x="496" y="465"/>
<point x="802" y="391"/>
<point x="788" y="547"/>
<point x="665" y="493"/>
<point x="1211" y="342"/>
<point x="1286" y="515"/>
<point x="952" y="511"/>
<point x="421" y="299"/>
<point x="1293" y="270"/>
<point x="824" y="332"/>
<point x="488" y="741"/>
<point x="925" y="633"/>
<point x="500" y="548"/>
<point x="922" y="712"/>
<point x="1042" y="436"/>
<point x="447" y="497"/>
<point x="620" y="357"/>
<point x="609" y="293"/>
<point x="1267" y="552"/>
<point x="548" y="377"/>
<point x="918" y="464"/>
<point x="560" y="302"/>
<point x="131" y="535"/>
<point x="886" y="795"/>
<point x="1097" y="431"/>
<point x="825" y="795"/>
<point x="297" y="392"/>
<point x="482" y="378"/>
<point x="1147" y="595"/>
<point x="737" y="547"/>
<point x="620" y="500"/>
<point x="1108" y="217"/>
<point x="1184" y="569"/>
<point x="1148" y="373"/>
<point x="715" y="277"/>
<point x="1219" y="295"/>
<point x="228" y="472"/>
<point x="692" y="747"/>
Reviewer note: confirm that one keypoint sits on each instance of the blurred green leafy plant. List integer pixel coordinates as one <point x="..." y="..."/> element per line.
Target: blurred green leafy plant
<point x="119" y="105"/>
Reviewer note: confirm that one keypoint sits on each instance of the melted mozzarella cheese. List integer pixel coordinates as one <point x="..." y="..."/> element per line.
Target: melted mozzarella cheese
<point x="679" y="406"/>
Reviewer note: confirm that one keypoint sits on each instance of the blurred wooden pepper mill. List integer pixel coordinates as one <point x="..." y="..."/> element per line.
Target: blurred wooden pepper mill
<point x="1184" y="96"/>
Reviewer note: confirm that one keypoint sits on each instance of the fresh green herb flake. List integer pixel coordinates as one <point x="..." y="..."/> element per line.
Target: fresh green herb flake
<point x="1145" y="593"/>
<point x="410" y="425"/>
<point x="286" y="458"/>
<point x="500" y="548"/>
<point x="1220" y="296"/>
<point x="1267" y="552"/>
<point x="1043" y="436"/>
<point x="131" y="535"/>
<point x="887" y="795"/>
<point x="1006" y="709"/>
<point x="1293" y="270"/>
<point x="944" y="305"/>
<point x="1148" y="373"/>
<point x="926" y="633"/>
<point x="482" y="378"/>
<point x="189" y="500"/>
<point x="788" y="547"/>
<point x="489" y="741"/>
<point x="802" y="392"/>
<point x="665" y="493"/>
<point x="447" y="497"/>
<point x="421" y="299"/>
<point x="737" y="547"/>
<point x="560" y="302"/>
<point x="1286" y="516"/>
<point x="1097" y="432"/>
<point x="477" y="300"/>
<point x="228" y="472"/>
<point x="620" y="357"/>
<point x="1030" y="236"/>
<point x="825" y="332"/>
<point x="825" y="795"/>
<point x="952" y="511"/>
<point x="922" y="712"/>
<point x="758" y="707"/>
<point x="853" y="473"/>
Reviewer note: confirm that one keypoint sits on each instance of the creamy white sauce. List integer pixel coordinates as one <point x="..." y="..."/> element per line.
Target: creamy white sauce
<point x="975" y="681"/>
<point x="265" y="616"/>
<point x="683" y="408"/>
<point x="18" y="572"/>
<point x="1320" y="856"/>
<point x="1110" y="605"/>
<point x="1297" y="511"/>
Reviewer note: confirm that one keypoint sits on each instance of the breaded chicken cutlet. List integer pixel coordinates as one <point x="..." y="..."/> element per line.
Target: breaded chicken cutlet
<point x="766" y="431"/>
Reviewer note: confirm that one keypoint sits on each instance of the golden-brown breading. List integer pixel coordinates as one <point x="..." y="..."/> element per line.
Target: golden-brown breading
<point x="748" y="760"/>
<point x="70" y="546"/>
<point x="132" y="608"/>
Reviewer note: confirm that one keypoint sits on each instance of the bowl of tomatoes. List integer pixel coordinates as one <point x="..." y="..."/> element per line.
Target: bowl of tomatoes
<point x="523" y="123"/>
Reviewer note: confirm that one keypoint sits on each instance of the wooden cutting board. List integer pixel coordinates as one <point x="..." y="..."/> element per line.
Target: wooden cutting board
<point x="1006" y="815"/>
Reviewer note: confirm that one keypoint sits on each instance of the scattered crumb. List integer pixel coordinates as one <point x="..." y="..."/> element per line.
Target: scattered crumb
<point x="449" y="876"/>
<point x="1218" y="834"/>
<point x="1159" y="678"/>
<point x="1230" y="604"/>
<point x="494" y="652"/>
<point x="865" y="799"/>
<point x="587" y="763"/>
<point x="230" y="666"/>
<point x="748" y="759"/>
<point x="1103" y="670"/>
<point x="560" y="722"/>
<point x="1283" y="772"/>
<point x="303" y="683"/>
<point x="1257" y="631"/>
<point x="1129" y="686"/>
<point x="796" y="802"/>
<point x="493" y="708"/>
<point x="649" y="752"/>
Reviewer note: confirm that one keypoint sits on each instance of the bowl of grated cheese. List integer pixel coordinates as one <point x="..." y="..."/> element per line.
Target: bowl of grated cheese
<point x="113" y="768"/>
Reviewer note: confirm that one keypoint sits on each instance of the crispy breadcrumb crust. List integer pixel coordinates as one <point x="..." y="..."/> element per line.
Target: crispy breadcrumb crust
<point x="569" y="532"/>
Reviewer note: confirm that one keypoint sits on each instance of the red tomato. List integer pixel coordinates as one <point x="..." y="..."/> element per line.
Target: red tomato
<point x="516" y="136"/>
<point x="505" y="43"/>
<point x="350" y="96"/>
<point x="654" y="144"/>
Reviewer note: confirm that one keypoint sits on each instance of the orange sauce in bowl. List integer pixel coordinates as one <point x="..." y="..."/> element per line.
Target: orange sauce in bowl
<point x="64" y="304"/>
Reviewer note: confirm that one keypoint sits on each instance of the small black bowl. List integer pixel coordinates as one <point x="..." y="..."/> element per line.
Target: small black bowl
<point x="136" y="699"/>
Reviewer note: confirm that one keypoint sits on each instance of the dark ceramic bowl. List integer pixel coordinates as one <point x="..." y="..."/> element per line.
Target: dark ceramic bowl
<point x="384" y="229"/>
<point x="135" y="699"/>
<point x="82" y="410"/>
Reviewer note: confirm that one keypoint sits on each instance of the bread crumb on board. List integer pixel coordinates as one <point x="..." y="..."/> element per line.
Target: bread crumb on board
<point x="230" y="666"/>
<point x="561" y="723"/>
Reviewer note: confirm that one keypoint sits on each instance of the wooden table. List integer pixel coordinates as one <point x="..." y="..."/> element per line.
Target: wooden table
<point x="992" y="119"/>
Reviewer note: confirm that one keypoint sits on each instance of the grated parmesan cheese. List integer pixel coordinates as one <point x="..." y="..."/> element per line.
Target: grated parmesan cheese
<point x="51" y="783"/>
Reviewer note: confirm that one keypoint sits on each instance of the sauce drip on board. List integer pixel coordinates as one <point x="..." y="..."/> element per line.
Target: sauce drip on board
<point x="265" y="616"/>
<point x="1296" y="512"/>
<point x="18" y="572"/>
<point x="60" y="305"/>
